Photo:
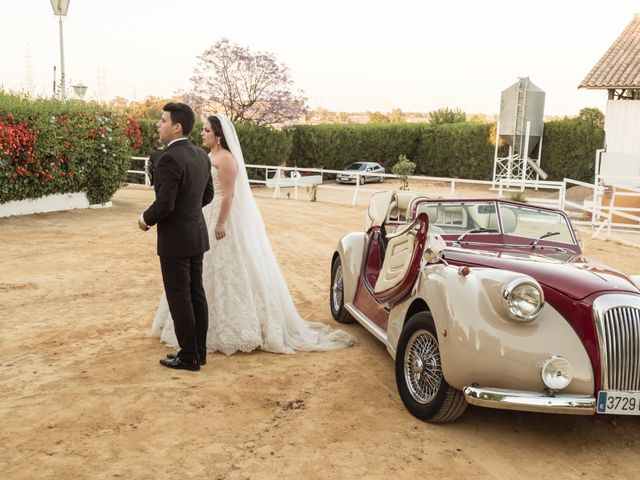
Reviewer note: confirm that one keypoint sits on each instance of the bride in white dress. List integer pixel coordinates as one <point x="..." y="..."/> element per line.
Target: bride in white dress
<point x="249" y="303"/>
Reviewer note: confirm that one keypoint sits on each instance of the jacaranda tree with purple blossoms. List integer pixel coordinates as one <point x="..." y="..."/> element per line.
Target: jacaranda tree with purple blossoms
<point x="249" y="87"/>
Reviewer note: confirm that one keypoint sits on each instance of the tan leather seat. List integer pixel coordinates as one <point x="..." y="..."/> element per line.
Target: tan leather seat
<point x="399" y="208"/>
<point x="432" y="213"/>
<point x="509" y="220"/>
<point x="378" y="207"/>
<point x="396" y="262"/>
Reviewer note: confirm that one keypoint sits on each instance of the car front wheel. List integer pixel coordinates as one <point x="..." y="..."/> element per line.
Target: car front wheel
<point x="336" y="295"/>
<point x="419" y="378"/>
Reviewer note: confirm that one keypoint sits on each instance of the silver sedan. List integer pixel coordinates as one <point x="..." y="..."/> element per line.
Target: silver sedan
<point x="369" y="171"/>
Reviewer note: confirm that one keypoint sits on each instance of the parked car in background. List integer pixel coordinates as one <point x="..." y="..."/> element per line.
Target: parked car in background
<point x="491" y="303"/>
<point x="369" y="172"/>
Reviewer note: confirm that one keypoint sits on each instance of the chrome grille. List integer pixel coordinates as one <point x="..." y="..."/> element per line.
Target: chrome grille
<point x="621" y="337"/>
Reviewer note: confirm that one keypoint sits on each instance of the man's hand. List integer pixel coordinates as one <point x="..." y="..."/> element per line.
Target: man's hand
<point x="142" y="225"/>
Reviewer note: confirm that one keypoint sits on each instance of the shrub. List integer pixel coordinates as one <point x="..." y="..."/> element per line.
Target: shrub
<point x="404" y="169"/>
<point x="463" y="150"/>
<point x="569" y="147"/>
<point x="48" y="146"/>
<point x="446" y="115"/>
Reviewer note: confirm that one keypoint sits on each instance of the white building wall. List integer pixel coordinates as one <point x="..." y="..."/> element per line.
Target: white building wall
<point x="622" y="139"/>
<point x="622" y="126"/>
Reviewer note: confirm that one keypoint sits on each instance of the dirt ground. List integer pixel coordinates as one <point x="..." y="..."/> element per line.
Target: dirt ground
<point x="83" y="395"/>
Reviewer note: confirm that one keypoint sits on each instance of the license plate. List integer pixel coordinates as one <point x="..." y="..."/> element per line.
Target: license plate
<point x="618" y="403"/>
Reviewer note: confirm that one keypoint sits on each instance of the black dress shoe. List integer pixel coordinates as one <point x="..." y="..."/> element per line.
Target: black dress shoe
<point x="179" y="364"/>
<point x="203" y="359"/>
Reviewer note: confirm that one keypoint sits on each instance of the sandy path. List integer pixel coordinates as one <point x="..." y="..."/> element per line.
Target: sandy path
<point x="83" y="395"/>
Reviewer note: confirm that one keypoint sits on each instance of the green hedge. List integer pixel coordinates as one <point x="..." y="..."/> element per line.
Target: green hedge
<point x="48" y="146"/>
<point x="569" y="147"/>
<point x="463" y="150"/>
<point x="335" y="146"/>
<point x="260" y="145"/>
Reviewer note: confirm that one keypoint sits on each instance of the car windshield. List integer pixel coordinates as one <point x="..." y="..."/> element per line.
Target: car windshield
<point x="357" y="166"/>
<point x="461" y="218"/>
<point x="537" y="224"/>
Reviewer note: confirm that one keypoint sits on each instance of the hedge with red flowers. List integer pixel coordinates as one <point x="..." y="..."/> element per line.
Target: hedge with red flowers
<point x="48" y="146"/>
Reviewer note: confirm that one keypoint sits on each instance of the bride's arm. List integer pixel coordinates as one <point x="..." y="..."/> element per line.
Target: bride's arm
<point x="227" y="171"/>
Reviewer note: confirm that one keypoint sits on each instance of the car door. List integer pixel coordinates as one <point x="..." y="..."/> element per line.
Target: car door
<point x="390" y="267"/>
<point x="401" y="263"/>
<point x="367" y="176"/>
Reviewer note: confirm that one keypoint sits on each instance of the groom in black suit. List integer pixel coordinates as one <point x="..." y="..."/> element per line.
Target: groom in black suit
<point x="183" y="185"/>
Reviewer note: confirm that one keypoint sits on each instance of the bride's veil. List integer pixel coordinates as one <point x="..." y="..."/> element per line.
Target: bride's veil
<point x="243" y="198"/>
<point x="270" y="290"/>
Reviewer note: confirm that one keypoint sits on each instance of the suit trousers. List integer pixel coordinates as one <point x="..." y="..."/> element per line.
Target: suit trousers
<point x="182" y="278"/>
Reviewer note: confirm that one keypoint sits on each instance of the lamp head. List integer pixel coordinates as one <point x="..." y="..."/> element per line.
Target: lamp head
<point x="60" y="7"/>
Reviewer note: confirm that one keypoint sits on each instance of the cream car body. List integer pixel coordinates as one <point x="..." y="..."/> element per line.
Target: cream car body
<point x="408" y="268"/>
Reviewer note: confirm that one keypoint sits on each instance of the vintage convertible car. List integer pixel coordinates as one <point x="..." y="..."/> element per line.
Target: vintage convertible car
<point x="490" y="302"/>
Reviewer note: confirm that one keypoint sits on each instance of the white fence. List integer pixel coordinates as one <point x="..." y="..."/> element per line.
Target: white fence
<point x="283" y="177"/>
<point x="597" y="210"/>
<point x="144" y="171"/>
<point x="615" y="221"/>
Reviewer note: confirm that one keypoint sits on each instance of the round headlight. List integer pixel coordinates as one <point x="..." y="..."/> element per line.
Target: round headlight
<point x="556" y="373"/>
<point x="523" y="299"/>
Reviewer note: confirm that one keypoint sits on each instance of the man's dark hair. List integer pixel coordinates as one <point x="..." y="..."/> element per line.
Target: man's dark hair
<point x="181" y="113"/>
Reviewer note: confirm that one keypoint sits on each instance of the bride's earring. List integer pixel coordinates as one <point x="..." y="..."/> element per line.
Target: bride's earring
<point x="218" y="141"/>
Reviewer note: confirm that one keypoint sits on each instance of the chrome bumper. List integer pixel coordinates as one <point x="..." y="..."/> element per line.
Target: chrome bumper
<point x="530" y="401"/>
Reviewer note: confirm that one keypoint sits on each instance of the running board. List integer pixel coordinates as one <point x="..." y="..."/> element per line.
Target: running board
<point x="362" y="319"/>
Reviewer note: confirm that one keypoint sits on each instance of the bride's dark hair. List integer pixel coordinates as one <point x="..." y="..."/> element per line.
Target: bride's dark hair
<point x="217" y="130"/>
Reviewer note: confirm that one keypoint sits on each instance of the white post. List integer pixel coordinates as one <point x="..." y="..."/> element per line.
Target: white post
<point x="595" y="213"/>
<point x="598" y="161"/>
<point x="539" y="161"/>
<point x="355" y="192"/>
<point x="525" y="156"/>
<point x="147" y="181"/>
<point x="63" y="81"/>
<point x="611" y="207"/>
<point x="495" y="154"/>
<point x="295" y="183"/>
<point x="276" y="191"/>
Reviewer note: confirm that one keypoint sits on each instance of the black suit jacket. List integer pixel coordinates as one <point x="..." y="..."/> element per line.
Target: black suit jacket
<point x="151" y="168"/>
<point x="183" y="185"/>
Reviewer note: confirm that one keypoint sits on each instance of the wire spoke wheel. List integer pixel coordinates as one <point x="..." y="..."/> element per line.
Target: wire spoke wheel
<point x="422" y="367"/>
<point x="336" y="294"/>
<point x="337" y="290"/>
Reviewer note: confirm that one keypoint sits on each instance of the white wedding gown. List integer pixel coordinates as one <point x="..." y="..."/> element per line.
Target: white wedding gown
<point x="249" y="303"/>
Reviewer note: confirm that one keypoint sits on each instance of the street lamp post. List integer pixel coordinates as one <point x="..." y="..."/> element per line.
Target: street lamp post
<point x="60" y="8"/>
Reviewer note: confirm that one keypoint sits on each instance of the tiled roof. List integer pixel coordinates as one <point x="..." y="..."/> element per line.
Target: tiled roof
<point x="620" y="66"/>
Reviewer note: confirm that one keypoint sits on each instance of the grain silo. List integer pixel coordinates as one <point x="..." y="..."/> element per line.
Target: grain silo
<point x="520" y="126"/>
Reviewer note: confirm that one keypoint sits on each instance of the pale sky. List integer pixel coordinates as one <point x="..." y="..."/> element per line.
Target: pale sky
<point x="346" y="55"/>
